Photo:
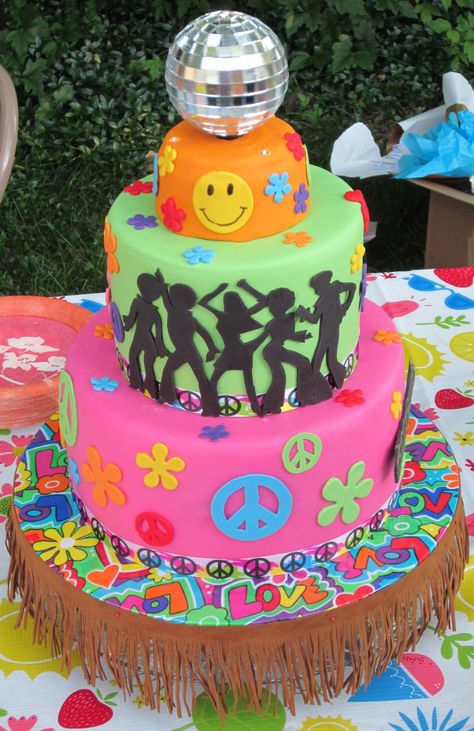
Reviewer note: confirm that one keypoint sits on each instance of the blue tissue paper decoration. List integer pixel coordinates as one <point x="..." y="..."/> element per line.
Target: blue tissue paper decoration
<point x="446" y="149"/>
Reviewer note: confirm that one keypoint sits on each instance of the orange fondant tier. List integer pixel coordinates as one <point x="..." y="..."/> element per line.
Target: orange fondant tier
<point x="232" y="189"/>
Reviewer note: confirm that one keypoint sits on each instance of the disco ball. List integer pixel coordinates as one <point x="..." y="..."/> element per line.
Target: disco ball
<point x="226" y="72"/>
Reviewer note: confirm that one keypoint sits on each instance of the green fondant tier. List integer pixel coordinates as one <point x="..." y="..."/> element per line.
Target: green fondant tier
<point x="335" y="227"/>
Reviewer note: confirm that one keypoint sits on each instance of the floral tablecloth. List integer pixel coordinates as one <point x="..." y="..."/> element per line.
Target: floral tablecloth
<point x="431" y="690"/>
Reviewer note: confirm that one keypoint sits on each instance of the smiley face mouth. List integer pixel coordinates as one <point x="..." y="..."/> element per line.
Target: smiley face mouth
<point x="230" y="223"/>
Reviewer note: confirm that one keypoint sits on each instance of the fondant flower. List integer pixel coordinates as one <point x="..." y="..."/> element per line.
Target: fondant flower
<point x="387" y="337"/>
<point x="52" y="483"/>
<point x="160" y="468"/>
<point x="396" y="406"/>
<point x="103" y="479"/>
<point x="104" y="384"/>
<point x="344" y="497"/>
<point x="300" y="197"/>
<point x="295" y="145"/>
<point x="208" y="616"/>
<point x="279" y="187"/>
<point x="166" y="160"/>
<point x="363" y="287"/>
<point x="298" y="238"/>
<point x="400" y="525"/>
<point x="412" y="472"/>
<point x="10" y="451"/>
<point x="199" y="255"/>
<point x="360" y="593"/>
<point x="350" y="398"/>
<point x="73" y="470"/>
<point x="105" y="331"/>
<point x="138" y="187"/>
<point x="465" y="440"/>
<point x="214" y="433"/>
<point x="110" y="246"/>
<point x="356" y="196"/>
<point x="357" y="258"/>
<point x="140" y="222"/>
<point x="65" y="543"/>
<point x="173" y="216"/>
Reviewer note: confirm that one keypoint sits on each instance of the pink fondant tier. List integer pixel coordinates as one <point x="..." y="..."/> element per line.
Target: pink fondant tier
<point x="225" y="487"/>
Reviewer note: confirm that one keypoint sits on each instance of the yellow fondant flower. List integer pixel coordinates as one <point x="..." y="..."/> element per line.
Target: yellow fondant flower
<point x="66" y="545"/>
<point x="357" y="258"/>
<point x="166" y="160"/>
<point x="160" y="467"/>
<point x="103" y="478"/>
<point x="387" y="337"/>
<point x="299" y="238"/>
<point x="465" y="440"/>
<point x="105" y="331"/>
<point x="110" y="246"/>
<point x="396" y="405"/>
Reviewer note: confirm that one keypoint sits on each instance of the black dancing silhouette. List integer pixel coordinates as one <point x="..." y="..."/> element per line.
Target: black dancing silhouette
<point x="329" y="311"/>
<point x="144" y="315"/>
<point x="182" y="327"/>
<point x="280" y="329"/>
<point x="234" y="320"/>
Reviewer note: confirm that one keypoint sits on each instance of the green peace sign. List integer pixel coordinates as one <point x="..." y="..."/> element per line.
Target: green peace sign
<point x="301" y="453"/>
<point x="67" y="409"/>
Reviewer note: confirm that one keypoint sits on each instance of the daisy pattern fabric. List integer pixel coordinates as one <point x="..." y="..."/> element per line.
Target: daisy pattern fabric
<point x="429" y="690"/>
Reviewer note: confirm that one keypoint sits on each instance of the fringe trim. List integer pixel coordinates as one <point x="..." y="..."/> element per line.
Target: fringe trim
<point x="316" y="657"/>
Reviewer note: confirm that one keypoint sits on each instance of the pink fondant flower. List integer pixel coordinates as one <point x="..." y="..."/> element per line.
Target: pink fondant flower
<point x="138" y="187"/>
<point x="10" y="451"/>
<point x="295" y="145"/>
<point x="173" y="216"/>
<point x="350" y="398"/>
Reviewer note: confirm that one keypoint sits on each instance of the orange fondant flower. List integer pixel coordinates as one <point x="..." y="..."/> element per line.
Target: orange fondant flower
<point x="103" y="478"/>
<point x="387" y="337"/>
<point x="357" y="258"/>
<point x="299" y="238"/>
<point x="52" y="483"/>
<point x="110" y="246"/>
<point x="160" y="467"/>
<point x="396" y="405"/>
<point x="105" y="331"/>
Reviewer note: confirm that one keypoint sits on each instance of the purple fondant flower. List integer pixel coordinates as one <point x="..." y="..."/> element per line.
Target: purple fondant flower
<point x="139" y="221"/>
<point x="301" y="196"/>
<point x="214" y="433"/>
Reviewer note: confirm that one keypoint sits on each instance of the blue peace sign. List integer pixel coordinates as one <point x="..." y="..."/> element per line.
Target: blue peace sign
<point x="252" y="520"/>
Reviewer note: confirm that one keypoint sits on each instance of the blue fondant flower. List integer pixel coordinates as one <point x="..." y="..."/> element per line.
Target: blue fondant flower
<point x="104" y="384"/>
<point x="300" y="197"/>
<point x="278" y="187"/>
<point x="214" y="433"/>
<point x="199" y="255"/>
<point x="73" y="471"/>
<point x="139" y="221"/>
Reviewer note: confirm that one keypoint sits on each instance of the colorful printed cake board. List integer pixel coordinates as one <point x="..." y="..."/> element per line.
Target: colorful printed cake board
<point x="155" y="625"/>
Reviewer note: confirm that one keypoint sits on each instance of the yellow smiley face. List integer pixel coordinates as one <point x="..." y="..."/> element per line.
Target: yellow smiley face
<point x="222" y="201"/>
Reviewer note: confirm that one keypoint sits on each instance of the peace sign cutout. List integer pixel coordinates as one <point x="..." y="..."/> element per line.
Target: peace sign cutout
<point x="149" y="558"/>
<point x="229" y="405"/>
<point x="325" y="552"/>
<point x="154" y="529"/>
<point x="301" y="453"/>
<point x="219" y="569"/>
<point x="376" y="521"/>
<point x="97" y="529"/>
<point x="354" y="537"/>
<point x="182" y="565"/>
<point x="293" y="561"/>
<point x="189" y="400"/>
<point x="256" y="568"/>
<point x="119" y="546"/>
<point x="252" y="520"/>
<point x="67" y="409"/>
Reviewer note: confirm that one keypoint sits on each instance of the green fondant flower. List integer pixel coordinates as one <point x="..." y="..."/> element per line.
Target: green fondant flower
<point x="344" y="497"/>
<point x="402" y="525"/>
<point x="208" y="615"/>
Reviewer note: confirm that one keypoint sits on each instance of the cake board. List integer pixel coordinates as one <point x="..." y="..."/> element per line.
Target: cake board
<point x="342" y="615"/>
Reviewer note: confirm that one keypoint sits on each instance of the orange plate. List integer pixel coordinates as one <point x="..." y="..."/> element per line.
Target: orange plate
<point x="38" y="319"/>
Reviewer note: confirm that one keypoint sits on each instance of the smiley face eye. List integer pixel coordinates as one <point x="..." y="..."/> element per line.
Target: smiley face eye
<point x="230" y="189"/>
<point x="210" y="189"/>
